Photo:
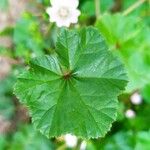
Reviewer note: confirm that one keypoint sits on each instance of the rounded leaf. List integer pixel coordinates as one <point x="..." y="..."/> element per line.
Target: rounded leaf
<point x="75" y="90"/>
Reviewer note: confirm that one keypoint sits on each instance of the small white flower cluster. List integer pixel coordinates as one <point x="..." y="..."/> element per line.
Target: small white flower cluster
<point x="63" y="12"/>
<point x="136" y="99"/>
<point x="71" y="140"/>
<point x="130" y="113"/>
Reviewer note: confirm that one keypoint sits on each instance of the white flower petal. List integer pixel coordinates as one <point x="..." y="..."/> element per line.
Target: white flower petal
<point x="63" y="23"/>
<point x="71" y="140"/>
<point x="59" y="23"/>
<point x="48" y="10"/>
<point x="70" y="3"/>
<point x="74" y="16"/>
<point x="52" y="13"/>
<point x="55" y="2"/>
<point x="136" y="98"/>
<point x="130" y="113"/>
<point x="63" y="12"/>
<point x="67" y="24"/>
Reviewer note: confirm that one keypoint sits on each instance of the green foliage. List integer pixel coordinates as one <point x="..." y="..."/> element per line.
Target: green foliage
<point x="123" y="140"/>
<point x="28" y="139"/>
<point x="127" y="36"/>
<point x="3" y="5"/>
<point x="120" y="141"/>
<point x="74" y="91"/>
<point x="7" y="83"/>
<point x="142" y="10"/>
<point x="44" y="2"/>
<point x="8" y="31"/>
<point x="146" y="93"/>
<point x="5" y="51"/>
<point x="6" y="107"/>
<point x="3" y="142"/>
<point x="27" y="37"/>
<point x="136" y="123"/>
<point x="143" y="141"/>
<point x="75" y="88"/>
<point x="88" y="7"/>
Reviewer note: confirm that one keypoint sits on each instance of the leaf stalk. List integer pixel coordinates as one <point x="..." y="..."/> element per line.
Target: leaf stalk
<point x="97" y="8"/>
<point x="133" y="7"/>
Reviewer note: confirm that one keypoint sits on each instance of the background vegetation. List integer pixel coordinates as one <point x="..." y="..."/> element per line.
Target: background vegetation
<point x="25" y="33"/>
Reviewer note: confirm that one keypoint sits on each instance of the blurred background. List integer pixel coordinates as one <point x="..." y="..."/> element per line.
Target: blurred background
<point x="25" y="33"/>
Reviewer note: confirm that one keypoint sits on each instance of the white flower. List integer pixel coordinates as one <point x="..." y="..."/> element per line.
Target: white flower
<point x="136" y="98"/>
<point x="64" y="12"/>
<point x="71" y="140"/>
<point x="130" y="113"/>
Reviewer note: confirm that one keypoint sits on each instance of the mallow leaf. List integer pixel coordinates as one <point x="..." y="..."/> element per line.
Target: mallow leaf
<point x="74" y="90"/>
<point x="129" y="37"/>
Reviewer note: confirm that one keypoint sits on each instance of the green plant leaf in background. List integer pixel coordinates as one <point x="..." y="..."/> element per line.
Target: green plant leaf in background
<point x="7" y="83"/>
<point x="3" y="5"/>
<point x="123" y="140"/>
<point x="120" y="141"/>
<point x="44" y="2"/>
<point x="142" y="10"/>
<point x="143" y="140"/>
<point x="3" y="142"/>
<point x="7" y="108"/>
<point x="146" y="93"/>
<point x="28" y="139"/>
<point x="27" y="37"/>
<point x="127" y="37"/>
<point x="88" y="7"/>
<point x="75" y="90"/>
<point x="8" y="31"/>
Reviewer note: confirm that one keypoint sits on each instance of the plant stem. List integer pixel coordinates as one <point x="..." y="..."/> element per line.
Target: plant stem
<point x="97" y="8"/>
<point x="133" y="7"/>
<point x="78" y="144"/>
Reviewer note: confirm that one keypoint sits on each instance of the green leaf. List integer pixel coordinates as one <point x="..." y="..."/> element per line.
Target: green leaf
<point x="44" y="2"/>
<point x="146" y="93"/>
<point x="88" y="6"/>
<point x="120" y="141"/>
<point x="124" y="140"/>
<point x="8" y="31"/>
<point x="28" y="37"/>
<point x="28" y="139"/>
<point x="143" y="140"/>
<point x="141" y="11"/>
<point x="7" y="108"/>
<point x="129" y="38"/>
<point x="4" y="5"/>
<point x="75" y="90"/>
<point x="3" y="142"/>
